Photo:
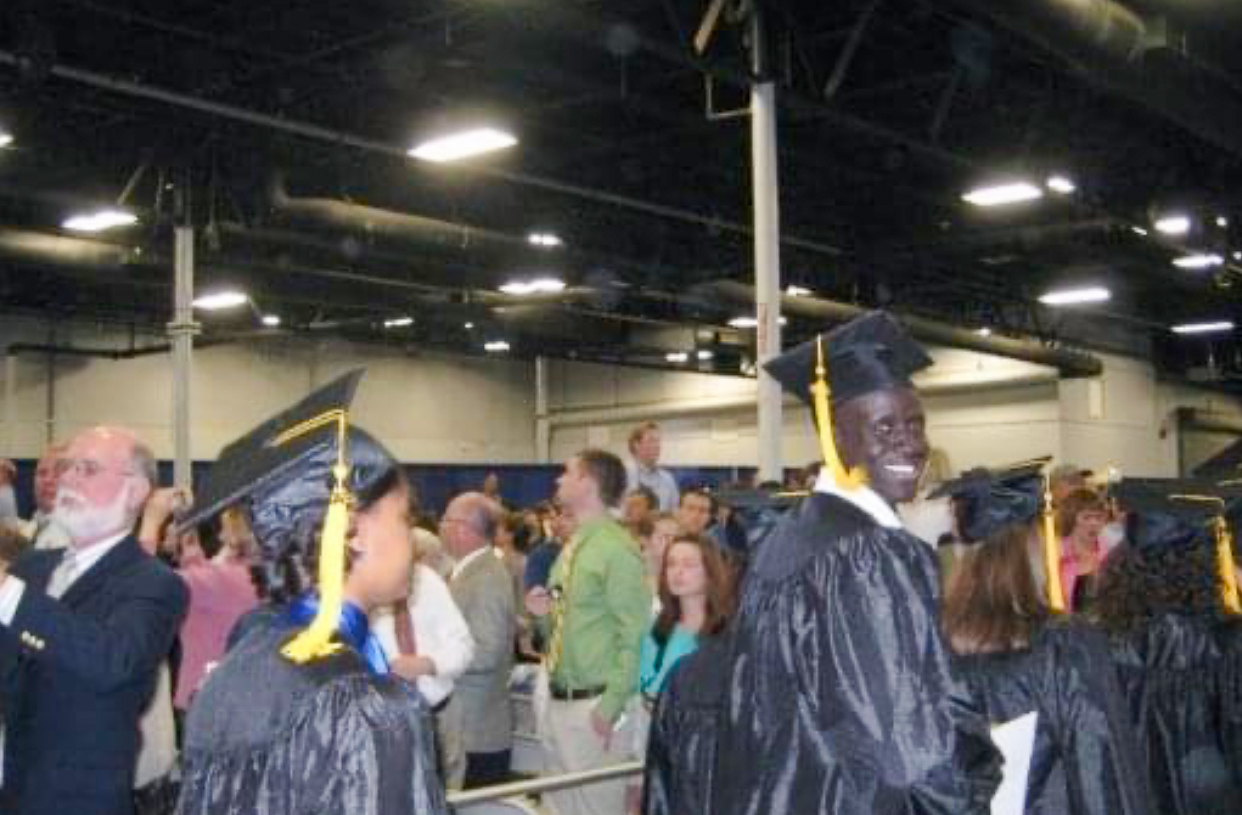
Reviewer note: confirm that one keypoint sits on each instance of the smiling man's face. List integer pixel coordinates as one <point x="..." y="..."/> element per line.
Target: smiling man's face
<point x="885" y="433"/>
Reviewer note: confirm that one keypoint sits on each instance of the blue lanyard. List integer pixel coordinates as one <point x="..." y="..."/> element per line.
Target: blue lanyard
<point x="353" y="628"/>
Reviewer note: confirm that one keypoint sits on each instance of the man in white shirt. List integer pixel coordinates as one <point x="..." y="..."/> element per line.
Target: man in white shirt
<point x="644" y="469"/>
<point x="83" y="632"/>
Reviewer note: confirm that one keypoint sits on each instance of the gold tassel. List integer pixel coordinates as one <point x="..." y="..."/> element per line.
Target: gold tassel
<point x="845" y="479"/>
<point x="1052" y="554"/>
<point x="1225" y="567"/>
<point x="316" y="640"/>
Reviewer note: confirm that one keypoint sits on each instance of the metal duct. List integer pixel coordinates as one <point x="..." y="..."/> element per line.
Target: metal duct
<point x="73" y="253"/>
<point x="1070" y="363"/>
<point x="1112" y="46"/>
<point x="19" y="348"/>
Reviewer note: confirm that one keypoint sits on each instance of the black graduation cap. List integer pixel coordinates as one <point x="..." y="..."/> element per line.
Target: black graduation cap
<point x="870" y="352"/>
<point x="284" y="476"/>
<point x="1192" y="502"/>
<point x="986" y="501"/>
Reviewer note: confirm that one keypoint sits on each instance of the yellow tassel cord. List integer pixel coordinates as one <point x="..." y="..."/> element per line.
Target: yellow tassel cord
<point x="316" y="640"/>
<point x="1225" y="567"/>
<point x="1052" y="554"/>
<point x="845" y="479"/>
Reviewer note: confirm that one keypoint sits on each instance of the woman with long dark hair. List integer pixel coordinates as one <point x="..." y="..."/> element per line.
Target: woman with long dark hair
<point x="302" y="715"/>
<point x="1017" y="657"/>
<point x="1171" y="616"/>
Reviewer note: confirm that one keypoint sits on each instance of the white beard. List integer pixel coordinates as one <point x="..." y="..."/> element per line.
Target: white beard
<point x="86" y="523"/>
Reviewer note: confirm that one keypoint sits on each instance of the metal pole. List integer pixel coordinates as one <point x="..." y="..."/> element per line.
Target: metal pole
<point x="181" y="331"/>
<point x="10" y="403"/>
<point x="543" y="424"/>
<point x="767" y="248"/>
<point x="549" y="783"/>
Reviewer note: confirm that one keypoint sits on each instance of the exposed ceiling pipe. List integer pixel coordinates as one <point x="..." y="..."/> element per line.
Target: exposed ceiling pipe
<point x="1112" y="46"/>
<point x="1070" y="363"/>
<point x="19" y="348"/>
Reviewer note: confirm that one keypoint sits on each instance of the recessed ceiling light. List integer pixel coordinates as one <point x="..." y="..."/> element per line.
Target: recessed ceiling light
<point x="1203" y="328"/>
<point x="271" y="320"/>
<point x="496" y="347"/>
<point x="547" y="240"/>
<point x="677" y="356"/>
<point x="465" y="144"/>
<point x="1060" y="184"/>
<point x="1073" y="297"/>
<point x="1204" y="260"/>
<point x="704" y="355"/>
<point x="100" y="220"/>
<point x="1173" y="224"/>
<point x="216" y="301"/>
<point x="399" y="322"/>
<point x="1002" y="194"/>
<point x="538" y="285"/>
<point x="798" y="291"/>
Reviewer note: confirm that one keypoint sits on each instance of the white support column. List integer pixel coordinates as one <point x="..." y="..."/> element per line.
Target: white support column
<point x="181" y="331"/>
<point x="767" y="271"/>
<point x="543" y="424"/>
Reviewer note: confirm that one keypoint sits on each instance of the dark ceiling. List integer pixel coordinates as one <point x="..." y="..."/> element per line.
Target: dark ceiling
<point x="267" y="125"/>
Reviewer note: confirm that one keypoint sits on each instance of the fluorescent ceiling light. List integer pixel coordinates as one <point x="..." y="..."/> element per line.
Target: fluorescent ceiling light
<point x="1073" y="297"/>
<point x="1061" y="184"/>
<point x="547" y="240"/>
<point x="216" y="301"/>
<point x="100" y="221"/>
<point x="1138" y="230"/>
<point x="984" y="332"/>
<point x="1001" y="194"/>
<point x="462" y="145"/>
<point x="1173" y="224"/>
<point x="468" y="326"/>
<point x="538" y="285"/>
<point x="704" y="355"/>
<point x="798" y="291"/>
<point x="271" y="320"/>
<point x="5" y="139"/>
<point x="1202" y="328"/>
<point x="496" y="346"/>
<point x="1222" y="221"/>
<point x="399" y="322"/>
<point x="677" y="356"/>
<point x="749" y="322"/>
<point x="1199" y="261"/>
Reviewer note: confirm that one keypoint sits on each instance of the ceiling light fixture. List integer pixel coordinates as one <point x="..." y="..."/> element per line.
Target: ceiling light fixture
<point x="466" y="144"/>
<point x="749" y="322"/>
<point x="1222" y="221"/>
<point x="1074" y="297"/>
<point x="5" y="139"/>
<point x="798" y="291"/>
<point x="984" y="332"/>
<point x="496" y="347"/>
<point x="1002" y="194"/>
<point x="399" y="322"/>
<point x="538" y="285"/>
<point x="1138" y="230"/>
<point x="1173" y="224"/>
<point x="216" y="301"/>
<point x="1203" y="328"/>
<point x="1060" y="184"/>
<point x="1237" y="255"/>
<point x="99" y="221"/>
<point x="677" y="356"/>
<point x="547" y="240"/>
<point x="468" y="326"/>
<point x="704" y="355"/>
<point x="1204" y="260"/>
<point x="271" y="320"/>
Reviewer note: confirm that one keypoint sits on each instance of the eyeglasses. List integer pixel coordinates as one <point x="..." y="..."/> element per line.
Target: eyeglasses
<point x="87" y="468"/>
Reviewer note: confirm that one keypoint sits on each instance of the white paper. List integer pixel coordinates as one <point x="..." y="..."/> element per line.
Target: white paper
<point x="1016" y="741"/>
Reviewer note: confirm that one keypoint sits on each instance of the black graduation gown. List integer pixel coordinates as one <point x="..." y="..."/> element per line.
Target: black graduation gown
<point x="1086" y="759"/>
<point x="836" y="694"/>
<point x="268" y="737"/>
<point x="1182" y="681"/>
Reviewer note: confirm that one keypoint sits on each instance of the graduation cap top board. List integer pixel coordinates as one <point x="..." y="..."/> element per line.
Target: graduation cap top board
<point x="987" y="501"/>
<point x="869" y="353"/>
<point x="295" y="472"/>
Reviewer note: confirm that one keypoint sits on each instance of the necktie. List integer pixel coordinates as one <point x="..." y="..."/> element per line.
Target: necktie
<point x="64" y="575"/>
<point x="407" y="642"/>
<point x="560" y="603"/>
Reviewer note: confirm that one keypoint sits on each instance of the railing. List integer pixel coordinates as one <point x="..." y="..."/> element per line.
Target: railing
<point x="548" y="783"/>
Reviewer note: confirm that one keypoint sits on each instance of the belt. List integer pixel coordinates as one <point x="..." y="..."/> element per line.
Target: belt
<point x="575" y="694"/>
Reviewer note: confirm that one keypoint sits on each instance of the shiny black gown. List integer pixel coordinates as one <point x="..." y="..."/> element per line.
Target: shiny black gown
<point x="1182" y="680"/>
<point x="268" y="737"/>
<point x="831" y="692"/>
<point x="1086" y="758"/>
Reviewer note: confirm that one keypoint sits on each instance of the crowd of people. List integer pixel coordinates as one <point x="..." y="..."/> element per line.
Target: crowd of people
<point x="300" y="634"/>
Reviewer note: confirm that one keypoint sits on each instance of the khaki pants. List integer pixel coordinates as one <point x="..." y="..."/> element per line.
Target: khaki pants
<point x="571" y="745"/>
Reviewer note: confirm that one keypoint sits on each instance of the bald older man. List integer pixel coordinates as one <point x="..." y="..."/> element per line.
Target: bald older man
<point x="483" y="590"/>
<point x="83" y="631"/>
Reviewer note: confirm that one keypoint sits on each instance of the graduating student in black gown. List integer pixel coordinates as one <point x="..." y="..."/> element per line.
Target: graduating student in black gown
<point x="1019" y="657"/>
<point x="832" y="691"/>
<point x="300" y="719"/>
<point x="1173" y="624"/>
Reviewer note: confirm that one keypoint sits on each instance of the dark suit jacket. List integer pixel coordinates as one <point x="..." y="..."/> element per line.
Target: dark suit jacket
<point x="75" y="675"/>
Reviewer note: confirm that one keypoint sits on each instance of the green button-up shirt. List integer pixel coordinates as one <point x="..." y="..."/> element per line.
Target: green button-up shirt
<point x="607" y="611"/>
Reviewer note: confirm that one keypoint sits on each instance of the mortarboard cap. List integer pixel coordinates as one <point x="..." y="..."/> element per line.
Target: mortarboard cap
<point x="986" y="501"/>
<point x="869" y="353"/>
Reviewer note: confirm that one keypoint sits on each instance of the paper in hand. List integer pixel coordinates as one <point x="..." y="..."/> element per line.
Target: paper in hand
<point x="1016" y="741"/>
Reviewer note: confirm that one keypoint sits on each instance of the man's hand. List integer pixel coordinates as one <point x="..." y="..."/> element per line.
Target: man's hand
<point x="538" y="601"/>
<point x="601" y="726"/>
<point x="412" y="666"/>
